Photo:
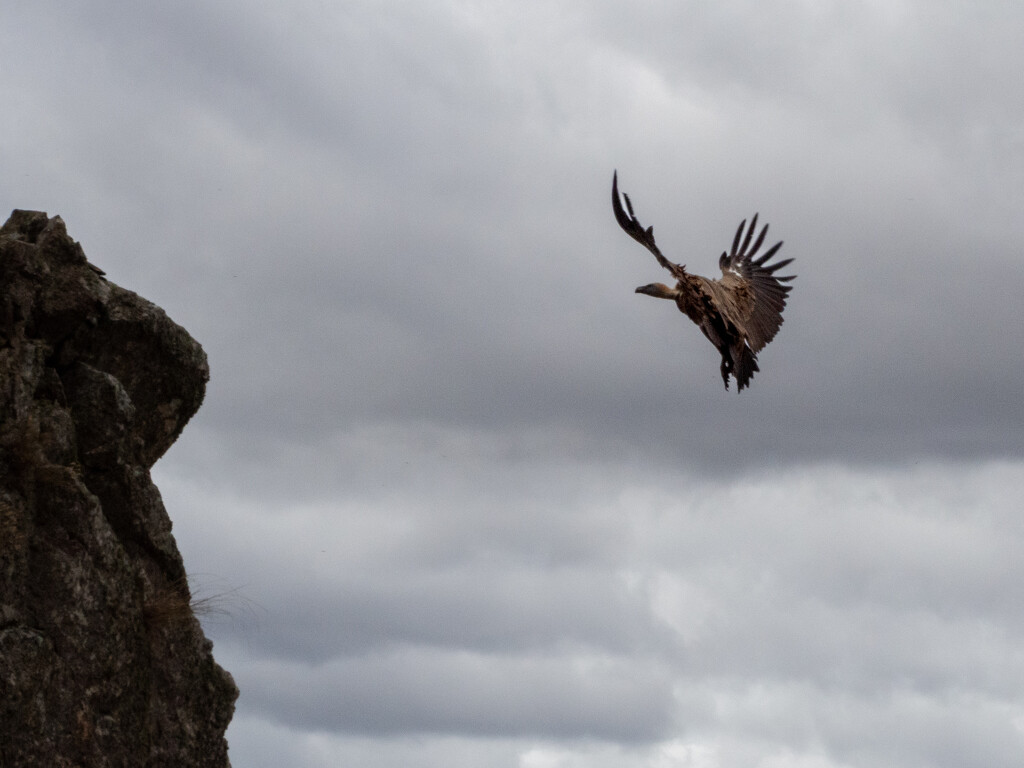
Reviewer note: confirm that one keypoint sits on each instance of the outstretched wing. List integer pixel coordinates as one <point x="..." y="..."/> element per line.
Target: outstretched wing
<point x="767" y="291"/>
<point x="634" y="229"/>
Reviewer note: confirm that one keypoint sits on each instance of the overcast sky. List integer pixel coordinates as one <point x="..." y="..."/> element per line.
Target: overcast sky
<point x="473" y="501"/>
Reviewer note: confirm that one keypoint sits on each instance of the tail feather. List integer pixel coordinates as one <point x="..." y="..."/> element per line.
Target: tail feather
<point x="744" y="365"/>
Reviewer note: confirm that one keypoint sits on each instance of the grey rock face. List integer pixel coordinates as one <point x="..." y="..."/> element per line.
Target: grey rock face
<point x="102" y="661"/>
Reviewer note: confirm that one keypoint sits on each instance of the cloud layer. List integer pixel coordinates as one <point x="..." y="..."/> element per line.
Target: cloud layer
<point x="476" y="503"/>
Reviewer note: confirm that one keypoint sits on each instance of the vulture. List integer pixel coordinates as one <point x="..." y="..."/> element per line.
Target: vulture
<point x="741" y="311"/>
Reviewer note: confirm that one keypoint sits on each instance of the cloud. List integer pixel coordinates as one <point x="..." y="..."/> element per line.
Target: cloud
<point x="828" y="611"/>
<point x="393" y="213"/>
<point x="412" y="691"/>
<point x="447" y="450"/>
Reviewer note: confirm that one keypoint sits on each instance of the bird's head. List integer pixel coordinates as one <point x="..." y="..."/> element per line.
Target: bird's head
<point x="658" y="291"/>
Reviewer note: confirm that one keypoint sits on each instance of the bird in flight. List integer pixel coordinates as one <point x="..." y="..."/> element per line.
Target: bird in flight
<point x="741" y="311"/>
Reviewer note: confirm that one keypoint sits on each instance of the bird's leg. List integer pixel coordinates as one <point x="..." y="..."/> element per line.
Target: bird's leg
<point x="726" y="369"/>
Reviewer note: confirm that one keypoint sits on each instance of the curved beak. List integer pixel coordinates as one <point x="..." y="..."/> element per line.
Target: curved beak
<point x="658" y="291"/>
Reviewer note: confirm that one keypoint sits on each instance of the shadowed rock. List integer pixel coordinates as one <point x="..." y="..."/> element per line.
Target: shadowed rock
<point x="102" y="661"/>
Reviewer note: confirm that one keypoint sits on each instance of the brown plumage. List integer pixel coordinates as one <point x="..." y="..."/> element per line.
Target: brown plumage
<point x="739" y="312"/>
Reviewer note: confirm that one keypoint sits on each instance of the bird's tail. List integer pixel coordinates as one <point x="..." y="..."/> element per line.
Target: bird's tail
<point x="744" y="364"/>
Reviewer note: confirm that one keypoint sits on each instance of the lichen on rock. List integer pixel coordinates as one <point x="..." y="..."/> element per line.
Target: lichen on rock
<point x="102" y="661"/>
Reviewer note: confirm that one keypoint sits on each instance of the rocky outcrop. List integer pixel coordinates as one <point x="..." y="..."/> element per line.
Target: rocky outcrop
<point x="102" y="661"/>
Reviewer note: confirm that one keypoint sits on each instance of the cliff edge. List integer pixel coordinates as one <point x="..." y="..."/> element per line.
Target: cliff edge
<point x="102" y="661"/>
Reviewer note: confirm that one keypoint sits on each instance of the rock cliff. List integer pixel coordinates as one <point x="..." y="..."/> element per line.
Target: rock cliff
<point x="102" y="661"/>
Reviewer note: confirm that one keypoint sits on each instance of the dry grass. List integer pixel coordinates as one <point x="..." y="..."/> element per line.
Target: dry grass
<point x="176" y="604"/>
<point x="168" y="606"/>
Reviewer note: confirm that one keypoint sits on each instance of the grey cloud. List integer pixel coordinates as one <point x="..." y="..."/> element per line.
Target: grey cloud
<point x="441" y="426"/>
<point x="465" y="693"/>
<point x="504" y="611"/>
<point x="414" y="276"/>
